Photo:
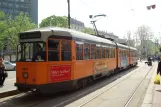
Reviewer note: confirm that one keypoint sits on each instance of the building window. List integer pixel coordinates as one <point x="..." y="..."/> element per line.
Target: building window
<point x="17" y="6"/>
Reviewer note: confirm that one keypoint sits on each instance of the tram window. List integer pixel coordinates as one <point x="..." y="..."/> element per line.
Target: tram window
<point x="98" y="52"/>
<point x="120" y="52"/>
<point x="123" y="53"/>
<point x="110" y="52"/>
<point x="66" y="50"/>
<point x="86" y="51"/>
<point x="93" y="51"/>
<point x="103" y="52"/>
<point x="53" y="50"/>
<point x="79" y="51"/>
<point x="113" y="52"/>
<point x="107" y="52"/>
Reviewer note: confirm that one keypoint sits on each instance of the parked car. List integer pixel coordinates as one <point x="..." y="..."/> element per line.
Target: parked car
<point x="9" y="65"/>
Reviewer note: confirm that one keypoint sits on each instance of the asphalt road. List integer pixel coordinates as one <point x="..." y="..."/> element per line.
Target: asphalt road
<point x="9" y="82"/>
<point x="11" y="75"/>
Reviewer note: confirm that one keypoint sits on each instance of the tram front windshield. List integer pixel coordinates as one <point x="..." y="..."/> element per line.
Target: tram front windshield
<point x="32" y="52"/>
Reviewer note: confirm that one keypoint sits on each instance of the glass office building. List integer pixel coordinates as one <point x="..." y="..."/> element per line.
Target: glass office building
<point x="14" y="7"/>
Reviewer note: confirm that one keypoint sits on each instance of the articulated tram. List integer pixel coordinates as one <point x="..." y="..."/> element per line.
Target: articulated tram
<point x="56" y="59"/>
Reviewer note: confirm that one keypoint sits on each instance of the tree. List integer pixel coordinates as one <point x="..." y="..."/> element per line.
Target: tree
<point x="13" y="27"/>
<point x="88" y="30"/>
<point x="143" y="36"/>
<point x="2" y="28"/>
<point x="129" y="40"/>
<point x="58" y="21"/>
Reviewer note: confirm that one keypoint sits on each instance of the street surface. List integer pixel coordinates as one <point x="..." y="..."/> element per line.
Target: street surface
<point x="125" y="89"/>
<point x="9" y="82"/>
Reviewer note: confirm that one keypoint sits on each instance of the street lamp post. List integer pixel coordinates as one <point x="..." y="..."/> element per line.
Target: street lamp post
<point x="68" y="13"/>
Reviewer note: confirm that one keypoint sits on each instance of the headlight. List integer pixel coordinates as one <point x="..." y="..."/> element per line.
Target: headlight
<point x="25" y="75"/>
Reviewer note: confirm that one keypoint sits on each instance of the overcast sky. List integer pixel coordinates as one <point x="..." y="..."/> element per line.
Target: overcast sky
<point x="122" y="15"/>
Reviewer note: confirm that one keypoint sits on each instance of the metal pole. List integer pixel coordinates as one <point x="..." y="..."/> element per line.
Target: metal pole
<point x="68" y="14"/>
<point x="96" y="31"/>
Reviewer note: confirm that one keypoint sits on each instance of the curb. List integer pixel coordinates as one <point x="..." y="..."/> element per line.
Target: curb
<point x="9" y="93"/>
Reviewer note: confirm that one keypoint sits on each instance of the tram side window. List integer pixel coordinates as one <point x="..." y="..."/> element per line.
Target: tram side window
<point x="53" y="50"/>
<point x="113" y="52"/>
<point x="124" y="53"/>
<point x="110" y="52"/>
<point x="131" y="54"/>
<point x="93" y="51"/>
<point x="120" y="53"/>
<point x="66" y="50"/>
<point x="86" y="51"/>
<point x="103" y="52"/>
<point x="79" y="51"/>
<point x="107" y="52"/>
<point x="98" y="52"/>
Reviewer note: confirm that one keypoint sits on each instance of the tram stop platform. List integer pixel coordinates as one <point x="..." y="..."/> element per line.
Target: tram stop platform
<point x="8" y="89"/>
<point x="153" y="94"/>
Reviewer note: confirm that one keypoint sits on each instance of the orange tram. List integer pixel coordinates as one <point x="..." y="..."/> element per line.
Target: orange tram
<point x="55" y="59"/>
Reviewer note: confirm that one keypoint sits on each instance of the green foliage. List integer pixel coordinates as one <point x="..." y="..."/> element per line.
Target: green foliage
<point x="2" y="28"/>
<point x="58" y="21"/>
<point x="88" y="30"/>
<point x="11" y="28"/>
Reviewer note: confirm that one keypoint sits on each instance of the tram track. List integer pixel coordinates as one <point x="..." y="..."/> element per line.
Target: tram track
<point x="63" y="103"/>
<point x="131" y="97"/>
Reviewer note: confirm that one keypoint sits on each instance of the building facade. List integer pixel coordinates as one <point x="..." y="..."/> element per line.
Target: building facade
<point x="76" y="24"/>
<point x="14" y="7"/>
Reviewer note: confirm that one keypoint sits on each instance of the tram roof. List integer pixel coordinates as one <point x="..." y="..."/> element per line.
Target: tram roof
<point x="122" y="46"/>
<point x="132" y="48"/>
<point x="48" y="31"/>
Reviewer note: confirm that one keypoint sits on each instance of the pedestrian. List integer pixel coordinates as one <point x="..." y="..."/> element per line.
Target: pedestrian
<point x="159" y="67"/>
<point x="2" y="71"/>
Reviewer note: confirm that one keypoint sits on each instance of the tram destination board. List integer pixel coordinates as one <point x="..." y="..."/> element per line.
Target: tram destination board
<point x="30" y="35"/>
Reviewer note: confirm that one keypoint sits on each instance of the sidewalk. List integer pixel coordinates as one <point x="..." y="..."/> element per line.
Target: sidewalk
<point x="153" y="94"/>
<point x="8" y="89"/>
